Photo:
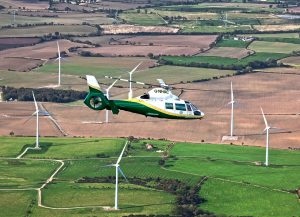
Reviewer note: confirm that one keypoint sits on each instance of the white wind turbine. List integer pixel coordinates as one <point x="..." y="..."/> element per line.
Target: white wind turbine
<point x="130" y="78"/>
<point x="118" y="169"/>
<point x="37" y="122"/>
<point x="267" y="130"/>
<point x="59" y="64"/>
<point x="107" y="96"/>
<point x="232" y="102"/>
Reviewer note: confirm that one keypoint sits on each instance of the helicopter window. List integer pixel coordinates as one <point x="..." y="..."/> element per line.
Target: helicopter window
<point x="188" y="107"/>
<point x="194" y="107"/>
<point x="180" y="107"/>
<point x="145" y="96"/>
<point x="169" y="105"/>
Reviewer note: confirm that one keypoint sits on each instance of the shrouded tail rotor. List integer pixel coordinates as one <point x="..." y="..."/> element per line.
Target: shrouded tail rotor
<point x="96" y="100"/>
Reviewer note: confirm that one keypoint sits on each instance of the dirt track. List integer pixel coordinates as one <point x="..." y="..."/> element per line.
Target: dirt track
<point x="278" y="94"/>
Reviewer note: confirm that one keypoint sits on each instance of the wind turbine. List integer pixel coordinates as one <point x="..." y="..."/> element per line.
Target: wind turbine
<point x="118" y="169"/>
<point x="59" y="59"/>
<point x="130" y="78"/>
<point x="267" y="129"/>
<point x="232" y="102"/>
<point x="107" y="95"/>
<point x="37" y="122"/>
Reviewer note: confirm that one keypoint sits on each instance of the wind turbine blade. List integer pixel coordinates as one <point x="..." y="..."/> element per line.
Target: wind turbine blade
<point x="113" y="83"/>
<point x="120" y="157"/>
<point x="133" y="70"/>
<point x="29" y="117"/>
<point x="109" y="165"/>
<point x="35" y="103"/>
<point x="264" y="117"/>
<point x="232" y="100"/>
<point x="58" y="49"/>
<point x="122" y="174"/>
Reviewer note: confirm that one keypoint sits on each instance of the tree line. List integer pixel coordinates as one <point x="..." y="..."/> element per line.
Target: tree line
<point x="42" y="94"/>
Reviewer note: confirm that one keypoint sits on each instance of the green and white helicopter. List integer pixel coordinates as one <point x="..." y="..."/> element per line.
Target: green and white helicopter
<point x="158" y="102"/>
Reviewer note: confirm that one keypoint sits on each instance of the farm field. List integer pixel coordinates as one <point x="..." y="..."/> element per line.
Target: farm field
<point x="273" y="91"/>
<point x="130" y="29"/>
<point x="45" y="30"/>
<point x="273" y="47"/>
<point x="173" y="167"/>
<point x="118" y="66"/>
<point x="225" y="61"/>
<point x="29" y="57"/>
<point x="201" y="41"/>
<point x="188" y="162"/>
<point x="140" y="50"/>
<point x="229" y="52"/>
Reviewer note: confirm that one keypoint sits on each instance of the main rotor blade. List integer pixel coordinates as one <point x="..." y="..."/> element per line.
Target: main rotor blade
<point x="264" y="117"/>
<point x="120" y="157"/>
<point x="174" y="88"/>
<point x="122" y="174"/>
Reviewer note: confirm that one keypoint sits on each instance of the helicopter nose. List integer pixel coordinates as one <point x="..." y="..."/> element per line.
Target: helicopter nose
<point x="202" y="113"/>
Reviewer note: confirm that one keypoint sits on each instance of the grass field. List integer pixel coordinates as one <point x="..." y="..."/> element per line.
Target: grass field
<point x="273" y="47"/>
<point x="232" y="43"/>
<point x="67" y="19"/>
<point x="119" y="66"/>
<point x="248" y="200"/>
<point x="45" y="30"/>
<point x="225" y="61"/>
<point x="77" y="148"/>
<point x="16" y="203"/>
<point x="24" y="173"/>
<point x="235" y="184"/>
<point x="132" y="198"/>
<point x="11" y="147"/>
<point x="141" y="18"/>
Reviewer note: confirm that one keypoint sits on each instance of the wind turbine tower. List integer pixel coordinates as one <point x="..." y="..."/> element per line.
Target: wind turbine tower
<point x="231" y="137"/>
<point x="130" y="79"/>
<point x="232" y="117"/>
<point x="37" y="122"/>
<point x="107" y="95"/>
<point x="267" y="130"/>
<point x="118" y="169"/>
<point x="59" y="64"/>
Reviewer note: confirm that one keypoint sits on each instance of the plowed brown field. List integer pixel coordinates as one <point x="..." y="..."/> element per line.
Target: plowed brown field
<point x="278" y="94"/>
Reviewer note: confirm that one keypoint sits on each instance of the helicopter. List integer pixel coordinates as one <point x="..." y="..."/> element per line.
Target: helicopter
<point x="159" y="102"/>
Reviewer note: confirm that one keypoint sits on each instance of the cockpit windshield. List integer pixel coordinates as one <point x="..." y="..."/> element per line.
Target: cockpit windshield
<point x="194" y="107"/>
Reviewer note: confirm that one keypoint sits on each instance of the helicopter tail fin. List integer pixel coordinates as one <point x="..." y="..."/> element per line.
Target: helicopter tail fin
<point x="95" y="99"/>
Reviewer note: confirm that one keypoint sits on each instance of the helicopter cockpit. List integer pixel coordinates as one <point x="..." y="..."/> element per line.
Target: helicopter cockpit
<point x="192" y="108"/>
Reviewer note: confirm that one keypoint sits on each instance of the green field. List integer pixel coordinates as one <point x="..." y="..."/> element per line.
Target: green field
<point x="24" y="173"/>
<point x="232" y="43"/>
<point x="133" y="198"/>
<point x="67" y="19"/>
<point x="120" y="66"/>
<point x="45" y="30"/>
<point x="149" y="19"/>
<point x="222" y="61"/>
<point x="273" y="47"/>
<point x="16" y="203"/>
<point x="236" y="184"/>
